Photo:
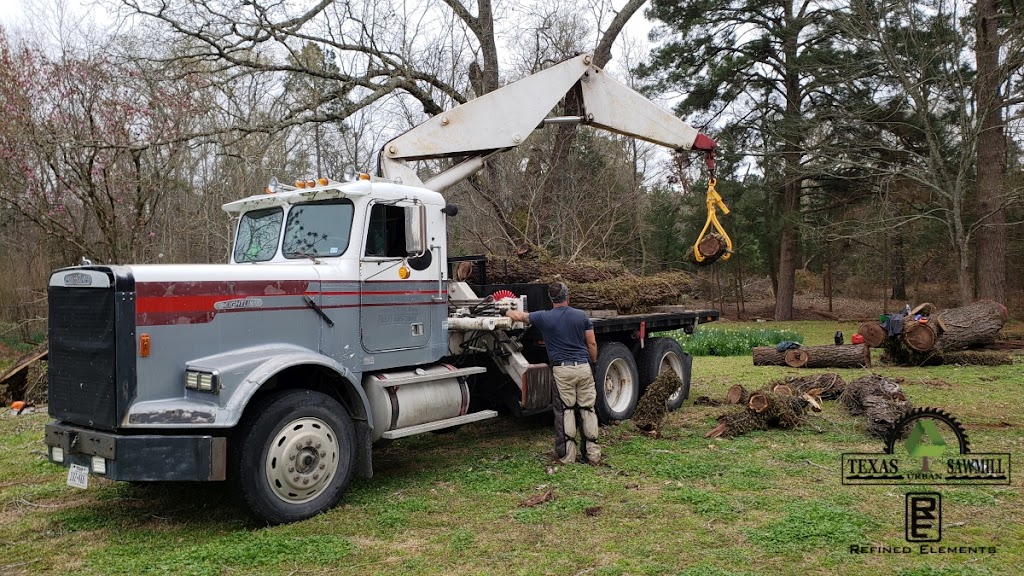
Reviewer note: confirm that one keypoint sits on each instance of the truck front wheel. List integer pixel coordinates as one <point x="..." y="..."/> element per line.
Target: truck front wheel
<point x="618" y="383"/>
<point x="662" y="354"/>
<point x="294" y="455"/>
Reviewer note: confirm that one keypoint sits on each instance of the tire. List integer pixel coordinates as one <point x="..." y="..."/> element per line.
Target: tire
<point x="666" y="354"/>
<point x="618" y="383"/>
<point x="282" y="430"/>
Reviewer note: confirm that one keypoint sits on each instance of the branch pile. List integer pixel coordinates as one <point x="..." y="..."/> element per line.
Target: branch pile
<point x="880" y="400"/>
<point x="596" y="285"/>
<point x="926" y="338"/>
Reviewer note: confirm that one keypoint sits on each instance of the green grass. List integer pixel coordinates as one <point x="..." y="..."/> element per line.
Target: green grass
<point x="708" y="340"/>
<point x="768" y="503"/>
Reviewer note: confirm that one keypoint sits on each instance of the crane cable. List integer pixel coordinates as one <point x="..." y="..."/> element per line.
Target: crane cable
<point x="713" y="201"/>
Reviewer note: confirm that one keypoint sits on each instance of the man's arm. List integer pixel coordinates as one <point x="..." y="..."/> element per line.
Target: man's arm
<point x="591" y="344"/>
<point x="519" y="316"/>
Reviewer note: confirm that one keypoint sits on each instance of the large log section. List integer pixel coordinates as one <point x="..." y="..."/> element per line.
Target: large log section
<point x="946" y="331"/>
<point x="834" y="356"/>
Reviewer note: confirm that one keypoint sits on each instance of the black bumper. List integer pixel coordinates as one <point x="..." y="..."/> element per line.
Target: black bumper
<point x="147" y="457"/>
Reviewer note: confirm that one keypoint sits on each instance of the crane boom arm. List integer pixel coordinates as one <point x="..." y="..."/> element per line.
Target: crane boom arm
<point x="502" y="119"/>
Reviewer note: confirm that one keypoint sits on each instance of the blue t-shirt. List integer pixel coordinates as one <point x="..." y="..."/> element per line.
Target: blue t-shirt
<point x="563" y="331"/>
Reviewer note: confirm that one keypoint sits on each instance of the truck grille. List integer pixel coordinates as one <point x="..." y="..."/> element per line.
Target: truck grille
<point x="83" y="358"/>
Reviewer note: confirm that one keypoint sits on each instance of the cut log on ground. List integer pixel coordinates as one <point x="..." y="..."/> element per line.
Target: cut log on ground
<point x="737" y="394"/>
<point x="880" y="400"/>
<point x="955" y="329"/>
<point x="835" y="356"/>
<point x="763" y="411"/>
<point x="873" y="333"/>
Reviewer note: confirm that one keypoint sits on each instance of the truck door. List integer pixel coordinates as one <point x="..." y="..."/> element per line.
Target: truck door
<point x="398" y="292"/>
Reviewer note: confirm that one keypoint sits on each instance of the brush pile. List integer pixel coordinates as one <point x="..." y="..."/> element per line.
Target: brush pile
<point x="880" y="400"/>
<point x="651" y="408"/>
<point x="777" y="407"/>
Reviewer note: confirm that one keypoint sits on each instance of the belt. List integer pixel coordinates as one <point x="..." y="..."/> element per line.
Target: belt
<point x="572" y="364"/>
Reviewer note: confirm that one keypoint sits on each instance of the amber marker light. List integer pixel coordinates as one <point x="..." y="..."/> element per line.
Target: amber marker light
<point x="323" y="181"/>
<point x="310" y="183"/>
<point x="403" y="272"/>
<point x="300" y="184"/>
<point x="144" y="345"/>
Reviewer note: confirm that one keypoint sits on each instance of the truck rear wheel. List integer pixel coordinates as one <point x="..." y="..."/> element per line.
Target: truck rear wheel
<point x="295" y="454"/>
<point x="665" y="354"/>
<point x="618" y="382"/>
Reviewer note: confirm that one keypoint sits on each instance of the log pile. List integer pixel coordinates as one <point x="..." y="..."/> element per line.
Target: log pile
<point x="594" y="285"/>
<point x="880" y="400"/>
<point x="779" y="407"/>
<point x="928" y="337"/>
<point x="832" y="356"/>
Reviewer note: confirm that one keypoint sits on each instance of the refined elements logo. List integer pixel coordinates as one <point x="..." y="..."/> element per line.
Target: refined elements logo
<point x="924" y="517"/>
<point x="926" y="446"/>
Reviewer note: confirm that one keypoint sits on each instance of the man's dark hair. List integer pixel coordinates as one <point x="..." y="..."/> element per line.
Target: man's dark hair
<point x="558" y="292"/>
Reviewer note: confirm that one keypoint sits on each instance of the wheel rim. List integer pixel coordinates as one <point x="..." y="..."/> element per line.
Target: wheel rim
<point x="618" y="385"/>
<point x="671" y="361"/>
<point x="302" y="460"/>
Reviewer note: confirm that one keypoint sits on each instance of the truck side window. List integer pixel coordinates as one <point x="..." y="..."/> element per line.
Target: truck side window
<point x="318" y="229"/>
<point x="258" y="231"/>
<point x="385" y="232"/>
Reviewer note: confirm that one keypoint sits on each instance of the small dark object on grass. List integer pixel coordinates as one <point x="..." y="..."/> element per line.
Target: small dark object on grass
<point x="538" y="499"/>
<point x="706" y="401"/>
<point x="594" y="510"/>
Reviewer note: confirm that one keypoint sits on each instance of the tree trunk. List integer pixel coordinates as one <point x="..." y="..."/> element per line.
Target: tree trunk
<point x="842" y="356"/>
<point x="899" y="264"/>
<point x="991" y="165"/>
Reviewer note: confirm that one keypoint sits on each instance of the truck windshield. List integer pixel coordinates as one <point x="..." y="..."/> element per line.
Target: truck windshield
<point x="319" y="229"/>
<point x="258" y="231"/>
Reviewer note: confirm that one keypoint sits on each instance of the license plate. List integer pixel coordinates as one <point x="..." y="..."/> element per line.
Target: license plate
<point x="78" y="476"/>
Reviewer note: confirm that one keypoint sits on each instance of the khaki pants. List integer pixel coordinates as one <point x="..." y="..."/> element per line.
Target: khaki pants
<point x="574" y="393"/>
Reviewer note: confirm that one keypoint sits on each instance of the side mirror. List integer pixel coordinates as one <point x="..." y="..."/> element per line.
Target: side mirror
<point x="416" y="230"/>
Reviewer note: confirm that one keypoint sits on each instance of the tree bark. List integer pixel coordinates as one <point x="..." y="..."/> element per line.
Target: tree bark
<point x="990" y="252"/>
<point x="957" y="329"/>
<point x="842" y="356"/>
<point x="877" y="398"/>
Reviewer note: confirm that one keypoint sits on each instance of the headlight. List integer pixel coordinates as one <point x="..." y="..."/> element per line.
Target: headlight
<point x="202" y="381"/>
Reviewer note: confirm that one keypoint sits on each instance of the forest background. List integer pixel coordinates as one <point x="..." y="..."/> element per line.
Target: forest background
<point x="871" y="148"/>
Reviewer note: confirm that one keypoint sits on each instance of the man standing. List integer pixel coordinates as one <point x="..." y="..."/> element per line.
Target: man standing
<point x="569" y="338"/>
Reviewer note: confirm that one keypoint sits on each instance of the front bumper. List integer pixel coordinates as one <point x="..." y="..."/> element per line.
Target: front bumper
<point x="146" y="458"/>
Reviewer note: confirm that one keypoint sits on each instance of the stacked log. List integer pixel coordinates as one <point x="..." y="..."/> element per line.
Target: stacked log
<point x="880" y="400"/>
<point x="833" y="356"/>
<point x="928" y="339"/>
<point x="593" y="285"/>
